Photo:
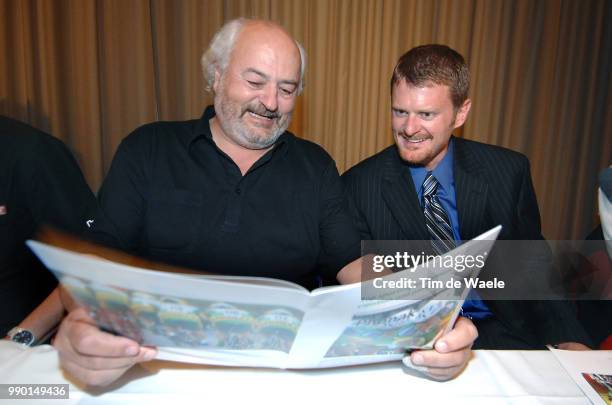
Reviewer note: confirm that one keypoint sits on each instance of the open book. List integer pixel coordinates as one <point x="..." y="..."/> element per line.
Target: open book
<point x="259" y="322"/>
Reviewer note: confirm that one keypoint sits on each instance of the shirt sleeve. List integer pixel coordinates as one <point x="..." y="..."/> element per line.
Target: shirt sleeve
<point x="118" y="222"/>
<point x="340" y="242"/>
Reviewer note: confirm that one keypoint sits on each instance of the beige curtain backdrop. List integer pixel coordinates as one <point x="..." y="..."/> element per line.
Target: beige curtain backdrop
<point x="89" y="72"/>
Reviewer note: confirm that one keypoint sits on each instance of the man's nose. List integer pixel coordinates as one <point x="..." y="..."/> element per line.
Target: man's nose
<point x="269" y="98"/>
<point x="411" y="126"/>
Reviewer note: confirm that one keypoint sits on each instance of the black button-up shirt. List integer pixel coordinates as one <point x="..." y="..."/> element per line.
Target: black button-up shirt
<point x="172" y="195"/>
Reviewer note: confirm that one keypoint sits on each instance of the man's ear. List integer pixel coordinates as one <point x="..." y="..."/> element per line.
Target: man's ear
<point x="462" y="113"/>
<point x="217" y="80"/>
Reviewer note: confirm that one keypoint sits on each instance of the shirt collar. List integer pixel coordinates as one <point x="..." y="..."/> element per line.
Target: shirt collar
<point x="202" y="126"/>
<point x="443" y="172"/>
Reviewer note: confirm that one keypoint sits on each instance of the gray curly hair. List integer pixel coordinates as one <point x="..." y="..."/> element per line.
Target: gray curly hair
<point x="218" y="53"/>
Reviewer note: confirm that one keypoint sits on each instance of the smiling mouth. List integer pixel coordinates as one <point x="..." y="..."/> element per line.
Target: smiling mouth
<point x="414" y="140"/>
<point x="263" y="117"/>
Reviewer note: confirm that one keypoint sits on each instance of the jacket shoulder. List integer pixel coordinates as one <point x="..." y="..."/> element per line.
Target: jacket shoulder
<point x="493" y="155"/>
<point x="372" y="167"/>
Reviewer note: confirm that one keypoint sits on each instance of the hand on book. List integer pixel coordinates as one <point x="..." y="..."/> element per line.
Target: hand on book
<point x="450" y="353"/>
<point x="93" y="357"/>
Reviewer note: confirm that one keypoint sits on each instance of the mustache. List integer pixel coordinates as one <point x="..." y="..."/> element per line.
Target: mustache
<point x="415" y="137"/>
<point x="261" y="110"/>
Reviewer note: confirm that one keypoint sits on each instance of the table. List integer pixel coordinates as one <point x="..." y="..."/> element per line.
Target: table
<point x="492" y="377"/>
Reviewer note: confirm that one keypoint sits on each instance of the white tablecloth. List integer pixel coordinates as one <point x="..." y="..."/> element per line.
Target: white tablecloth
<point x="521" y="377"/>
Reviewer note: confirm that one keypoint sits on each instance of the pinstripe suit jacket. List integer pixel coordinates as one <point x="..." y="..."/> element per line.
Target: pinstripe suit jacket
<point x="493" y="186"/>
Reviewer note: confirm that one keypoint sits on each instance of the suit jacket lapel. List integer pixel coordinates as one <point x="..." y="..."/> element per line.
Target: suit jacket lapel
<point x="398" y="192"/>
<point x="470" y="192"/>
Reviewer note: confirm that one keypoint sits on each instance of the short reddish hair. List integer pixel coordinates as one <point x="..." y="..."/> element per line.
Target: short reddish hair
<point x="437" y="64"/>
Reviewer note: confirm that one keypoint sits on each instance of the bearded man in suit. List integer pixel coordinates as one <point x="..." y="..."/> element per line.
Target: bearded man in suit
<point x="474" y="187"/>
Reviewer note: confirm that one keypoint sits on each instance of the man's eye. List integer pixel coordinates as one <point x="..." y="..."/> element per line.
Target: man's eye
<point x="286" y="92"/>
<point x="427" y="115"/>
<point x="399" y="113"/>
<point x="255" y="84"/>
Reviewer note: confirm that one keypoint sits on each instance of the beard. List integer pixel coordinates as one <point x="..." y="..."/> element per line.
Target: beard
<point x="231" y="115"/>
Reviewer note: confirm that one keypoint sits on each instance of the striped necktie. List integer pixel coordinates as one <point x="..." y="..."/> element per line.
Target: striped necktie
<point x="436" y="218"/>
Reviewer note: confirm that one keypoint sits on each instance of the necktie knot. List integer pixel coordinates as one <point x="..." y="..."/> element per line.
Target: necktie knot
<point x="430" y="185"/>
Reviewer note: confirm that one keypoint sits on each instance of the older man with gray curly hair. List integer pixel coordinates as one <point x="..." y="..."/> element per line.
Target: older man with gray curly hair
<point x="274" y="103"/>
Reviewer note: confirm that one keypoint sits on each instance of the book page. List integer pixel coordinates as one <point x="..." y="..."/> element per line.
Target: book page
<point x="200" y="319"/>
<point x="342" y="328"/>
<point x="591" y="370"/>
